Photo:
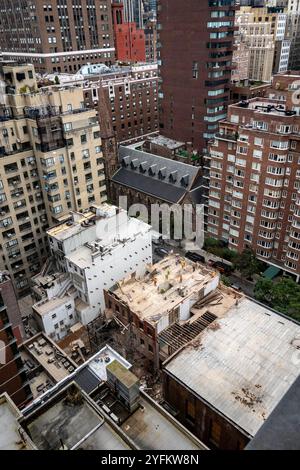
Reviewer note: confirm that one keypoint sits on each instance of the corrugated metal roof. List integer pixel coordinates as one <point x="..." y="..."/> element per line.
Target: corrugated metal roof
<point x="244" y="365"/>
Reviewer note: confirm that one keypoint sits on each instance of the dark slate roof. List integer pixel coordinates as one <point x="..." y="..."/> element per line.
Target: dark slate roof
<point x="162" y="178"/>
<point x="132" y="159"/>
<point x="281" y="431"/>
<point x="87" y="380"/>
<point x="146" y="184"/>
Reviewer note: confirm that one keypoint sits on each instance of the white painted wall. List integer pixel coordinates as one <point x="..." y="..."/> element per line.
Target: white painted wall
<point x="62" y="314"/>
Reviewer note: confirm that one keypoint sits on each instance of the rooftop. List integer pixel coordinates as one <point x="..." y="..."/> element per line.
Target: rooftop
<point x="70" y="421"/>
<point x="243" y="364"/>
<point x="81" y="221"/>
<point x="100" y="420"/>
<point x="165" y="142"/>
<point x="266" y="106"/>
<point x="114" y="234"/>
<point x="165" y="286"/>
<point x="49" y="356"/>
<point x="160" y="177"/>
<point x="104" y="359"/>
<point x="150" y="427"/>
<point x="281" y="431"/>
<point x="10" y="438"/>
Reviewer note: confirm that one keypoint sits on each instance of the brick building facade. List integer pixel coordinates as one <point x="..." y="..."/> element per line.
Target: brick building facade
<point x="57" y="36"/>
<point x="255" y="177"/>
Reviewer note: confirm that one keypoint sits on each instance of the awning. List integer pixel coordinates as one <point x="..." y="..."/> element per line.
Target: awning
<point x="271" y="272"/>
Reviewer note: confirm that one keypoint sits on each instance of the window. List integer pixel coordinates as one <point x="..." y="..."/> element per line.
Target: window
<point x="190" y="410"/>
<point x="215" y="433"/>
<point x="54" y="316"/>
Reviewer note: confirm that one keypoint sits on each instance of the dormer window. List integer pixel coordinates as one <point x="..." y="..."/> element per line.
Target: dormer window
<point x="125" y="161"/>
<point x="143" y="167"/>
<point x="162" y="173"/>
<point x="152" y="170"/>
<point x="173" y="176"/>
<point x="185" y="180"/>
<point x="134" y="164"/>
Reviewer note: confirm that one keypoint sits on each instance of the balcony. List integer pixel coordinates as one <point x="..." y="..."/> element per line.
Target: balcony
<point x="227" y="137"/>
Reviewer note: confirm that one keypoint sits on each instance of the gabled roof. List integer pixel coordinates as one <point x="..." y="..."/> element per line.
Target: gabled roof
<point x="160" y="177"/>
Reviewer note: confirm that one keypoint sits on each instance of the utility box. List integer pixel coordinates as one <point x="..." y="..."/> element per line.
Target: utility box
<point x="124" y="384"/>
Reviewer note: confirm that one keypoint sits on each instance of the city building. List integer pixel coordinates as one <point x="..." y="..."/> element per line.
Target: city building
<point x="57" y="36"/>
<point x="51" y="162"/>
<point x="12" y="307"/>
<point x="99" y="407"/>
<point x="129" y="40"/>
<point x="248" y="89"/>
<point x="13" y="379"/>
<point x="45" y="364"/>
<point x="158" y="312"/>
<point x="126" y="99"/>
<point x="263" y="33"/>
<point x="195" y="47"/>
<point x="150" y="28"/>
<point x="241" y="61"/>
<point x="90" y="252"/>
<point x="133" y="11"/>
<point x="293" y="33"/>
<point x="224" y="385"/>
<point x="150" y="179"/>
<point x="254" y="178"/>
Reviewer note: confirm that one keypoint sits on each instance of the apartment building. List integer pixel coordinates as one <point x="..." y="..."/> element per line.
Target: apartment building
<point x="90" y="253"/>
<point x="262" y="31"/>
<point x="130" y="101"/>
<point x="195" y="47"/>
<point x="51" y="162"/>
<point x="129" y="39"/>
<point x="59" y="35"/>
<point x="13" y="379"/>
<point x="293" y="33"/>
<point x="150" y="28"/>
<point x="254" y="178"/>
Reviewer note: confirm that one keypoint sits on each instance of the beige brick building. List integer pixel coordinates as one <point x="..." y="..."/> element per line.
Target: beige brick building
<point x="50" y="163"/>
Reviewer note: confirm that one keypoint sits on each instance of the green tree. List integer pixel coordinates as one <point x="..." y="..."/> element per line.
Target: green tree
<point x="283" y="295"/>
<point x="56" y="79"/>
<point x="248" y="264"/>
<point x="226" y="281"/>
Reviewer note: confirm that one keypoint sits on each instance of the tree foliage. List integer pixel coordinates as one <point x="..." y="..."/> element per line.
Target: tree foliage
<point x="282" y="295"/>
<point x="217" y="248"/>
<point x="248" y="264"/>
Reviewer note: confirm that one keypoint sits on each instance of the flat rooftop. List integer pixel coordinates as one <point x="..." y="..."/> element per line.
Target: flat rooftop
<point x="98" y="363"/>
<point x="165" y="142"/>
<point x="242" y="365"/>
<point x="50" y="357"/>
<point x="281" y="431"/>
<point x="10" y="439"/>
<point x="150" y="427"/>
<point x="70" y="422"/>
<point x="165" y="286"/>
<point x="117" y="236"/>
<point x="81" y="221"/>
<point x="266" y="106"/>
<point x="45" y="306"/>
